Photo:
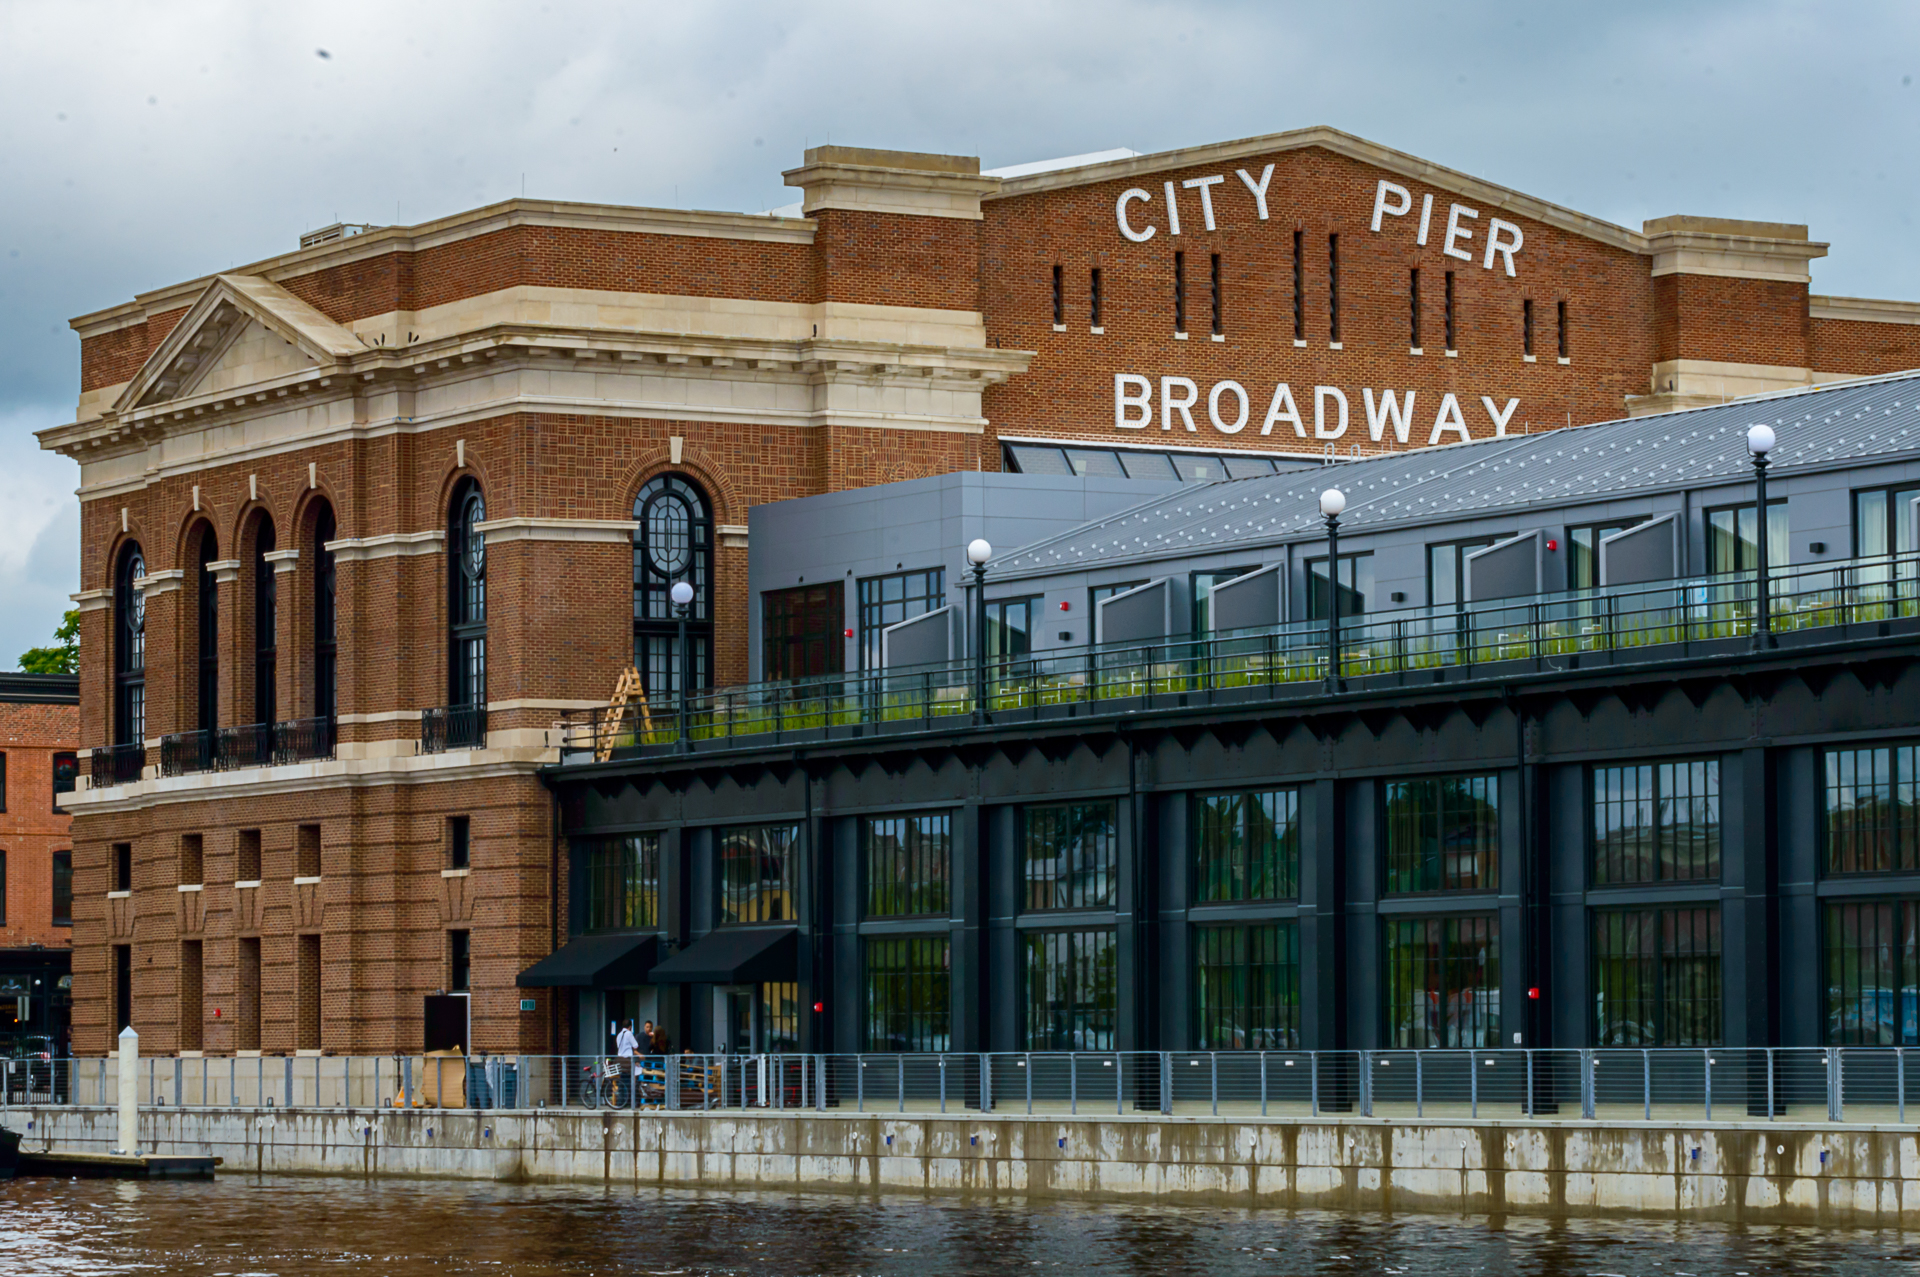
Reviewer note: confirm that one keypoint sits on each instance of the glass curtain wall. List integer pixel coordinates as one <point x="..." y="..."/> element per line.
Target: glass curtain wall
<point x="907" y="993"/>
<point x="759" y="873"/>
<point x="907" y="860"/>
<point x="623" y="882"/>
<point x="1656" y="822"/>
<point x="1871" y="800"/>
<point x="1657" y="976"/>
<point x="1247" y="986"/>
<point x="1443" y="982"/>
<point x="1443" y="834"/>
<point x="1355" y="586"/>
<point x="1071" y="858"/>
<point x="1873" y="967"/>
<point x="888" y="600"/>
<point x="1246" y="846"/>
<point x="1071" y="990"/>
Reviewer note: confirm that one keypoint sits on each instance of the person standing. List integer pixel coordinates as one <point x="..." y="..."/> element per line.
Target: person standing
<point x="625" y="1045"/>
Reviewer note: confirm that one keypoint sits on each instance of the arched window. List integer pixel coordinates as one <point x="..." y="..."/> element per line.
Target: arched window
<point x="266" y="624"/>
<point x="207" y="640"/>
<point x="467" y="597"/>
<point x="129" y="650"/>
<point x="674" y="542"/>
<point x="326" y="644"/>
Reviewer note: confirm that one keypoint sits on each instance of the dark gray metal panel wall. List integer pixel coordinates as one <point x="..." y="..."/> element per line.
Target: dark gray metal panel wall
<point x="926" y="639"/>
<point x="1565" y="982"/>
<point x="1364" y="1007"/>
<point x="1174" y="858"/>
<point x="1248" y="601"/>
<point x="1506" y="570"/>
<point x="1141" y="614"/>
<point x="1650" y="552"/>
<point x="1798" y="777"/>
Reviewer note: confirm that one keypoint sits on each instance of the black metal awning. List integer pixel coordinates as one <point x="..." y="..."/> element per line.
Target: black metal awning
<point x="595" y="962"/>
<point x="735" y="955"/>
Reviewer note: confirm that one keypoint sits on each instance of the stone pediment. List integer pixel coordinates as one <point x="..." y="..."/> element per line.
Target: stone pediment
<point x="244" y="330"/>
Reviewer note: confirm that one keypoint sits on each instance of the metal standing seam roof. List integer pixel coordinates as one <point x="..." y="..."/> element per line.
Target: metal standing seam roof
<point x="1871" y="419"/>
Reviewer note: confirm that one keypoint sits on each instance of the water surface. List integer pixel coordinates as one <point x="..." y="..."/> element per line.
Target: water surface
<point x="255" y="1226"/>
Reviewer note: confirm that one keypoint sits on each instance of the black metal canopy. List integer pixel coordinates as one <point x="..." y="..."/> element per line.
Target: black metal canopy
<point x="595" y="962"/>
<point x="735" y="955"/>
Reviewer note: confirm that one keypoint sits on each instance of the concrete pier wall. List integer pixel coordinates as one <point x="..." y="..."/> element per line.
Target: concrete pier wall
<point x="1753" y="1172"/>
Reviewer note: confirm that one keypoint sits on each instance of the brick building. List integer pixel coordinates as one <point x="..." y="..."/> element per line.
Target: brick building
<point x="361" y="521"/>
<point x="39" y="737"/>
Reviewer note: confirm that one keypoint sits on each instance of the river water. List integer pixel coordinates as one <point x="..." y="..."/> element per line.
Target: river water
<point x="252" y="1226"/>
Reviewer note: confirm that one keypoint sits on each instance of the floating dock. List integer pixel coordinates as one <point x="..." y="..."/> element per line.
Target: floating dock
<point x="115" y="1165"/>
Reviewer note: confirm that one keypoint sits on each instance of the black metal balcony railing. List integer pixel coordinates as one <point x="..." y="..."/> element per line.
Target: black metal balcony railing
<point x="117" y="764"/>
<point x="250" y="745"/>
<point x="448" y="727"/>
<point x="1702" y="617"/>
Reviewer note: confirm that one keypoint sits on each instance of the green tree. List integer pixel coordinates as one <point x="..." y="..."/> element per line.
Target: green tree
<point x="63" y="657"/>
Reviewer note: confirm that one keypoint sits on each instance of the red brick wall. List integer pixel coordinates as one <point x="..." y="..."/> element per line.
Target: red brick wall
<point x="885" y="259"/>
<point x="30" y="830"/>
<point x="1846" y="345"/>
<point x="114" y="357"/>
<point x="1069" y="389"/>
<point x="1742" y="321"/>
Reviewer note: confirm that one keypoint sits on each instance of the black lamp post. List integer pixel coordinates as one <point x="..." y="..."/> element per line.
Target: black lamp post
<point x="1332" y="502"/>
<point x="682" y="596"/>
<point x="978" y="552"/>
<point x="1760" y="441"/>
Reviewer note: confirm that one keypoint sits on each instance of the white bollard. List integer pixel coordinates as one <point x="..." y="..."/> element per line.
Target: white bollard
<point x="129" y="1092"/>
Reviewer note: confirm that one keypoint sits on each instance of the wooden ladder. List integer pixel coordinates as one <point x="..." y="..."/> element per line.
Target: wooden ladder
<point x="628" y="695"/>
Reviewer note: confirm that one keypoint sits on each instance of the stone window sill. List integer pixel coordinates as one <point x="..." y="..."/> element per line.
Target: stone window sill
<point x="455" y="873"/>
<point x="188" y="886"/>
<point x="305" y="882"/>
<point x="251" y="882"/>
<point x="119" y="895"/>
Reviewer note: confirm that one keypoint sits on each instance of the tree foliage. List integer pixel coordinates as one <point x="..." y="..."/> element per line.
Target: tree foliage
<point x="63" y="657"/>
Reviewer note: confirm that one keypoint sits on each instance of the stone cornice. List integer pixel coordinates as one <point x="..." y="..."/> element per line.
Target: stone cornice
<point x="224" y="570"/>
<point x="906" y="183"/>
<point x="1692" y="252"/>
<point x="1864" y="310"/>
<point x="392" y="545"/>
<point x="283" y="560"/>
<point x="613" y="531"/>
<point x="297" y="778"/>
<point x="165" y="581"/>
<point x="140" y="426"/>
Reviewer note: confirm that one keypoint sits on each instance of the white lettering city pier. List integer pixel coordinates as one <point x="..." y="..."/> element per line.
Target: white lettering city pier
<point x="1230" y="409"/>
<point x="1503" y="240"/>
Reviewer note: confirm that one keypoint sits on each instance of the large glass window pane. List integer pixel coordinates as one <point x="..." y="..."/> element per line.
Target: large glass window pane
<point x="1443" y="834"/>
<point x="1656" y="822"/>
<point x="1098" y="463"/>
<point x="1071" y="990"/>
<point x="1871" y="959"/>
<point x="759" y="873"/>
<point x="907" y="992"/>
<point x="1443" y="982"/>
<point x="907" y="863"/>
<point x="888" y="600"/>
<point x="1656" y="976"/>
<point x="1871" y="795"/>
<point x="1733" y="543"/>
<point x="623" y="882"/>
<point x="1447" y="568"/>
<point x="1247" y="987"/>
<point x="1009" y="628"/>
<point x="1071" y="856"/>
<point x="1356" y="586"/>
<point x="1246" y="846"/>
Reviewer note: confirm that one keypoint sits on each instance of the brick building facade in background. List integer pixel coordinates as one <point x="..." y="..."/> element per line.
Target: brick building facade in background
<point x="39" y="737"/>
<point x="360" y="522"/>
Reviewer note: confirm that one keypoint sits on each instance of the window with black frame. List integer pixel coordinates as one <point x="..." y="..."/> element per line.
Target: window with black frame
<point x="1355" y="586"/>
<point x="674" y="542"/>
<point x="908" y="982"/>
<point x="1443" y="834"/>
<point x="1010" y="629"/>
<point x="1072" y="990"/>
<point x="207" y="640"/>
<point x="1656" y="822"/>
<point x="66" y="768"/>
<point x="1873" y="972"/>
<point x="266" y="623"/>
<point x="802" y="631"/>
<point x="1656" y="976"/>
<point x="1447" y="568"/>
<point x="1883" y="521"/>
<point x="1733" y="542"/>
<point x="1872" y="810"/>
<point x="467" y="597"/>
<point x="326" y="637"/>
<point x="129" y="649"/>
<point x="889" y="600"/>
<point x="1247" y="986"/>
<point x="1583" y="551"/>
<point x="1246" y="846"/>
<point x="1443" y="981"/>
<point x="62" y="889"/>
<point x="623" y="882"/>
<point x="907" y="861"/>
<point x="759" y="873"/>
<point x="1203" y="584"/>
<point x="1071" y="856"/>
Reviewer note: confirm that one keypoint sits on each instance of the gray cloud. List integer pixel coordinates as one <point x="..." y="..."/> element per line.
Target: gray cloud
<point x="140" y="145"/>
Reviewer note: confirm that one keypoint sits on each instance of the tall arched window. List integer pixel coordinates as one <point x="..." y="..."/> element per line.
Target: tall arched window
<point x="326" y="645"/>
<point x="467" y="597"/>
<point x="207" y="640"/>
<point x="129" y="650"/>
<point x="266" y="624"/>
<point x="674" y="542"/>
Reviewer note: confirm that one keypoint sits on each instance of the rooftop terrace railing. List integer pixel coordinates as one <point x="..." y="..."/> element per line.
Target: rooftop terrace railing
<point x="1801" y="1085"/>
<point x="249" y="745"/>
<point x="1696" y="617"/>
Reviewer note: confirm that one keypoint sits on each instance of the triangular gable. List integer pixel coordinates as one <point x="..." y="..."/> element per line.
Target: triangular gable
<point x="225" y="327"/>
<point x="1355" y="148"/>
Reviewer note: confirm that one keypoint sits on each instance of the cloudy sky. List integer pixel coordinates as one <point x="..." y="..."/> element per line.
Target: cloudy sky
<point x="144" y="143"/>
